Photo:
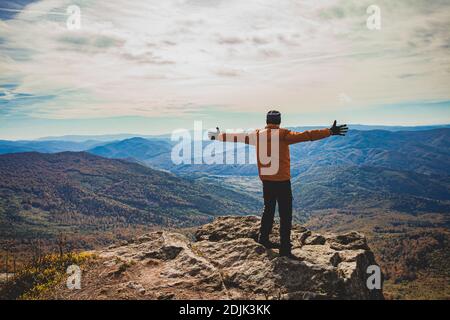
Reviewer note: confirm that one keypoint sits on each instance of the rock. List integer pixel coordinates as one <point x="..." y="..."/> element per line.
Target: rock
<point x="136" y="286"/>
<point x="330" y="266"/>
<point x="321" y="255"/>
<point x="228" y="228"/>
<point x="315" y="239"/>
<point x="166" y="296"/>
<point x="299" y="237"/>
<point x="352" y="240"/>
<point x="226" y="262"/>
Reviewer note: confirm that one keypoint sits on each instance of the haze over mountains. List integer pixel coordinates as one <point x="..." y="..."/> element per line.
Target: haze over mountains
<point x="123" y="136"/>
<point x="52" y="146"/>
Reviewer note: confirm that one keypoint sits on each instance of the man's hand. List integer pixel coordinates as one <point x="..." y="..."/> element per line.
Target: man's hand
<point x="214" y="135"/>
<point x="338" y="130"/>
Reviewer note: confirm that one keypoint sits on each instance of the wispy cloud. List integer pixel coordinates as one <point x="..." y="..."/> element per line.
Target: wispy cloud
<point x="154" y="58"/>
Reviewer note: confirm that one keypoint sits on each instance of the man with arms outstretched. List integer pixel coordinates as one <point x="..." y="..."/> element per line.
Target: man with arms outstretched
<point x="274" y="168"/>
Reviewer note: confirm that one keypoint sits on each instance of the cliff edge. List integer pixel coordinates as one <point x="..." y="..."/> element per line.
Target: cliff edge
<point x="223" y="261"/>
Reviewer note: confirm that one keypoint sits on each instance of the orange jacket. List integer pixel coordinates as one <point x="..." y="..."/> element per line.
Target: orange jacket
<point x="278" y="166"/>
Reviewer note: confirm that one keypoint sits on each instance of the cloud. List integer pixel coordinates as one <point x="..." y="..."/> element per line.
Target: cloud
<point x="14" y="103"/>
<point x="171" y="57"/>
<point x="232" y="40"/>
<point x="228" y="73"/>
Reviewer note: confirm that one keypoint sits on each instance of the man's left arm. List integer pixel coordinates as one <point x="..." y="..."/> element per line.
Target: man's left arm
<point x="312" y="135"/>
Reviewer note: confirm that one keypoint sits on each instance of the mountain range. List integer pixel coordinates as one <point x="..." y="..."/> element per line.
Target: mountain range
<point x="42" y="194"/>
<point x="425" y="152"/>
<point x="52" y="146"/>
<point x="123" y="136"/>
<point x="405" y="171"/>
<point x="399" y="170"/>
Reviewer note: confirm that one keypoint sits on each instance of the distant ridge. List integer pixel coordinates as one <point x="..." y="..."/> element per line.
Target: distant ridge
<point x="103" y="137"/>
<point x="122" y="136"/>
<point x="364" y="127"/>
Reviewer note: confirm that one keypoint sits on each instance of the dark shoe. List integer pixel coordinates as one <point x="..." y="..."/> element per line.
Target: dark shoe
<point x="286" y="252"/>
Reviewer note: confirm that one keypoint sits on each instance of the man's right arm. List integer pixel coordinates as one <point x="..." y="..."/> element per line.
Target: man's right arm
<point x="235" y="137"/>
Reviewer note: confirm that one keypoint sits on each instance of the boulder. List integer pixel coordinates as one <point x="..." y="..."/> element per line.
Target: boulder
<point x="326" y="266"/>
<point x="224" y="261"/>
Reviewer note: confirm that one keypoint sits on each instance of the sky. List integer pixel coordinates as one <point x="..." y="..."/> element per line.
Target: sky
<point x="149" y="67"/>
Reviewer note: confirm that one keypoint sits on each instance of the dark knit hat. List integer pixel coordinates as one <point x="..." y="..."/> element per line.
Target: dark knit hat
<point x="273" y="117"/>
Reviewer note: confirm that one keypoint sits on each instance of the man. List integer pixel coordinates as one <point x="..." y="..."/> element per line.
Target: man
<point x="272" y="143"/>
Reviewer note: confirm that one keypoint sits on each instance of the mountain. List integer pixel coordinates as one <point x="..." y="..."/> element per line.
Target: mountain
<point x="367" y="187"/>
<point x="223" y="262"/>
<point x="41" y="194"/>
<point x="45" y="146"/>
<point x="425" y="152"/>
<point x="135" y="148"/>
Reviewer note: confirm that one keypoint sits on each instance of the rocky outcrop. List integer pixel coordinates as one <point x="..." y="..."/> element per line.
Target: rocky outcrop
<point x="327" y="266"/>
<point x="224" y="261"/>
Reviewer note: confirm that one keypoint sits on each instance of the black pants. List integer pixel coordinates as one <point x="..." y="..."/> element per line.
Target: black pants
<point x="277" y="191"/>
